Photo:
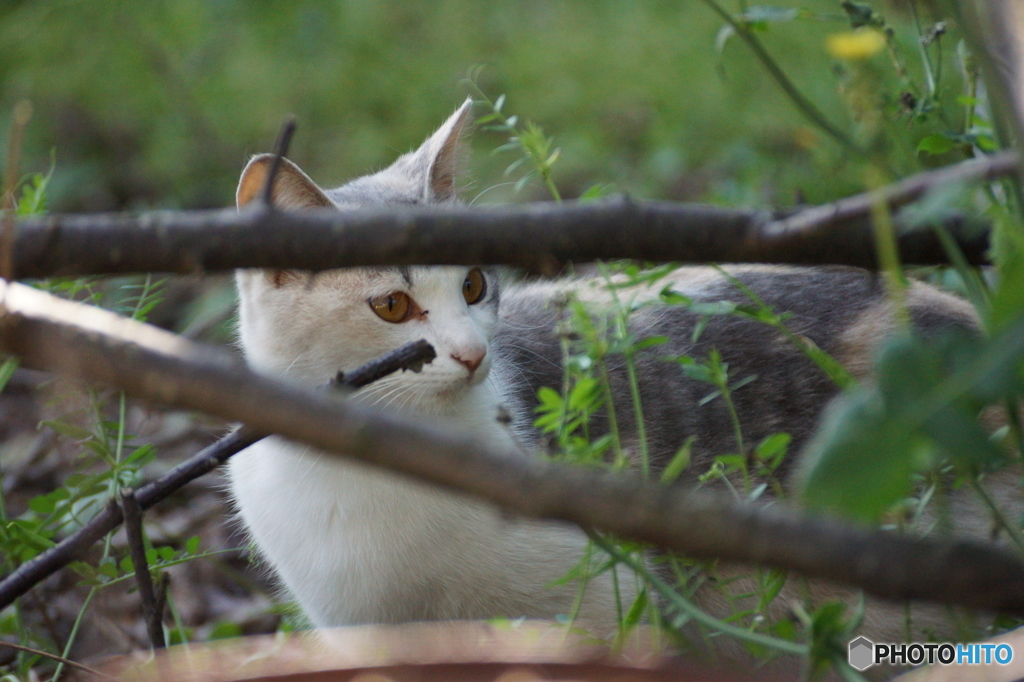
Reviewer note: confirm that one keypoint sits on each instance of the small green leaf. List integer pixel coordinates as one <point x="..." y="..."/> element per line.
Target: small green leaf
<point x="126" y="565"/>
<point x="83" y="569"/>
<point x="192" y="544"/>
<point x="69" y="430"/>
<point x="108" y="568"/>
<point x="166" y="553"/>
<point x="636" y="611"/>
<point x="935" y="144"/>
<point x="773" y="447"/>
<point x="650" y="341"/>
<point x="680" y="462"/>
<point x="225" y="630"/>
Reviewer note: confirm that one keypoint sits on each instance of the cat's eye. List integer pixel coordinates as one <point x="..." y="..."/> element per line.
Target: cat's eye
<point x="393" y="307"/>
<point x="474" y="286"/>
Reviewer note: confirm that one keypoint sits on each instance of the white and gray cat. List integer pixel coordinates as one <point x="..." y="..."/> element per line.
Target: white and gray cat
<point x="358" y="545"/>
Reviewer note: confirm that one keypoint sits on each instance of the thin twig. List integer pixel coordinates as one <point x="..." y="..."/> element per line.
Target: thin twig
<point x="132" y="513"/>
<point x="828" y="217"/>
<point x="18" y="582"/>
<point x="8" y="203"/>
<point x="411" y="356"/>
<point x="60" y="659"/>
<point x="155" y="365"/>
<point x="284" y="140"/>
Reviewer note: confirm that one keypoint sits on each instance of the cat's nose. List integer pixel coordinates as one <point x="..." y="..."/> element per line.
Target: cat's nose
<point x="470" y="359"/>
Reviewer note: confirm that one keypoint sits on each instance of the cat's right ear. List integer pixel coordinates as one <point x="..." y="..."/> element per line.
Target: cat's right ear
<point x="292" y="187"/>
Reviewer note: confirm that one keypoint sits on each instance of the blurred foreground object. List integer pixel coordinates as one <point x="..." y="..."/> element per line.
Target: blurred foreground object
<point x="528" y="651"/>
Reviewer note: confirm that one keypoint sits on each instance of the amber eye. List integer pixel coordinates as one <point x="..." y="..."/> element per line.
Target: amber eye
<point x="393" y="307"/>
<point x="474" y="287"/>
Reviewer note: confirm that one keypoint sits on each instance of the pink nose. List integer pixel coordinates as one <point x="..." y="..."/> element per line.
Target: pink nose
<point x="470" y="359"/>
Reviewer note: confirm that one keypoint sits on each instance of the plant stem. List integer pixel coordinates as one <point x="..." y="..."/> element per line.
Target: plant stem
<point x="804" y="105"/>
<point x="888" y="253"/>
<point x="691" y="610"/>
<point x="997" y="514"/>
<point x="622" y="331"/>
<point x="74" y="631"/>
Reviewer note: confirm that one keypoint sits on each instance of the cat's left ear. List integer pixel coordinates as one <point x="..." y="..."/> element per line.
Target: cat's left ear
<point x="442" y="151"/>
<point x="292" y="187"/>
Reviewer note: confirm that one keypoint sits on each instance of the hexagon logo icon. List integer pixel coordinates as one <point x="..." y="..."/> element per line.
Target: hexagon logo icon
<point x="862" y="653"/>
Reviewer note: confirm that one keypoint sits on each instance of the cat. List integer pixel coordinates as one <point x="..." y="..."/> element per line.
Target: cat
<point x="357" y="545"/>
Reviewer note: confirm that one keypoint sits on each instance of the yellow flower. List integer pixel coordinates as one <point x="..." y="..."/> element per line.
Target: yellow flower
<point x="855" y="45"/>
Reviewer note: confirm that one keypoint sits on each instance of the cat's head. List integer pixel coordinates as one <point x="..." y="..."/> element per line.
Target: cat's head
<point x="307" y="326"/>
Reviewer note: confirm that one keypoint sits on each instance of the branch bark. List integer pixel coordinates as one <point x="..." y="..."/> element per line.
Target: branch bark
<point x="148" y="363"/>
<point x="152" y="604"/>
<point x="540" y="237"/>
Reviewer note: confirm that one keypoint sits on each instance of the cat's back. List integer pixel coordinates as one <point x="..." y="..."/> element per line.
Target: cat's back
<point x="842" y="310"/>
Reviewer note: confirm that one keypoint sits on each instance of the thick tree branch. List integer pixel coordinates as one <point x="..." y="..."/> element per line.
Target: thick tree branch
<point x="537" y="236"/>
<point x="410" y="356"/>
<point x="148" y="363"/>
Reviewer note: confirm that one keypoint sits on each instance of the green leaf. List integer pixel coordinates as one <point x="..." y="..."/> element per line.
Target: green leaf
<point x="636" y="611"/>
<point x="773" y="447"/>
<point x="650" y="341"/>
<point x="935" y="144"/>
<point x="108" y="568"/>
<point x="166" y="553"/>
<point x="7" y="371"/>
<point x="680" y="462"/>
<point x="225" y="630"/>
<point x="927" y="399"/>
<point x="192" y="544"/>
<point x="859" y="462"/>
<point x="66" y="429"/>
<point x="126" y="565"/>
<point x="46" y="504"/>
<point x="83" y="569"/>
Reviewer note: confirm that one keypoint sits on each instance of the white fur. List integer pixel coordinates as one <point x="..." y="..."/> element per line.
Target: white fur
<point x="358" y="545"/>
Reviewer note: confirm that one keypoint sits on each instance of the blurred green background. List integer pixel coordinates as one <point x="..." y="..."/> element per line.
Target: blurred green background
<point x="159" y="104"/>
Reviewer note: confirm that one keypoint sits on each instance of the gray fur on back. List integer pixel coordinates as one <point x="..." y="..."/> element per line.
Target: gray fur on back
<point x="789" y="393"/>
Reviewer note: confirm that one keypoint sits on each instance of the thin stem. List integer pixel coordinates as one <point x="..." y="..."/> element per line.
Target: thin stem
<point x="622" y="330"/>
<point x="888" y="254"/>
<point x="804" y="105"/>
<point x="682" y="604"/>
<point x="74" y="631"/>
<point x="55" y="657"/>
<point x="997" y="514"/>
<point x="926" y="61"/>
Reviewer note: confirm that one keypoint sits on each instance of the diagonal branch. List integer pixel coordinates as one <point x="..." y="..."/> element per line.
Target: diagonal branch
<point x="539" y="237"/>
<point x="410" y="356"/>
<point x="829" y="216"/>
<point x="99" y="346"/>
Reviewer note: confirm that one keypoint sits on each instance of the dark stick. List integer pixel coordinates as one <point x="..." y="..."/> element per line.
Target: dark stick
<point x="411" y="356"/>
<point x="25" y="577"/>
<point x="284" y="140"/>
<point x="151" y="364"/>
<point x="151" y="610"/>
